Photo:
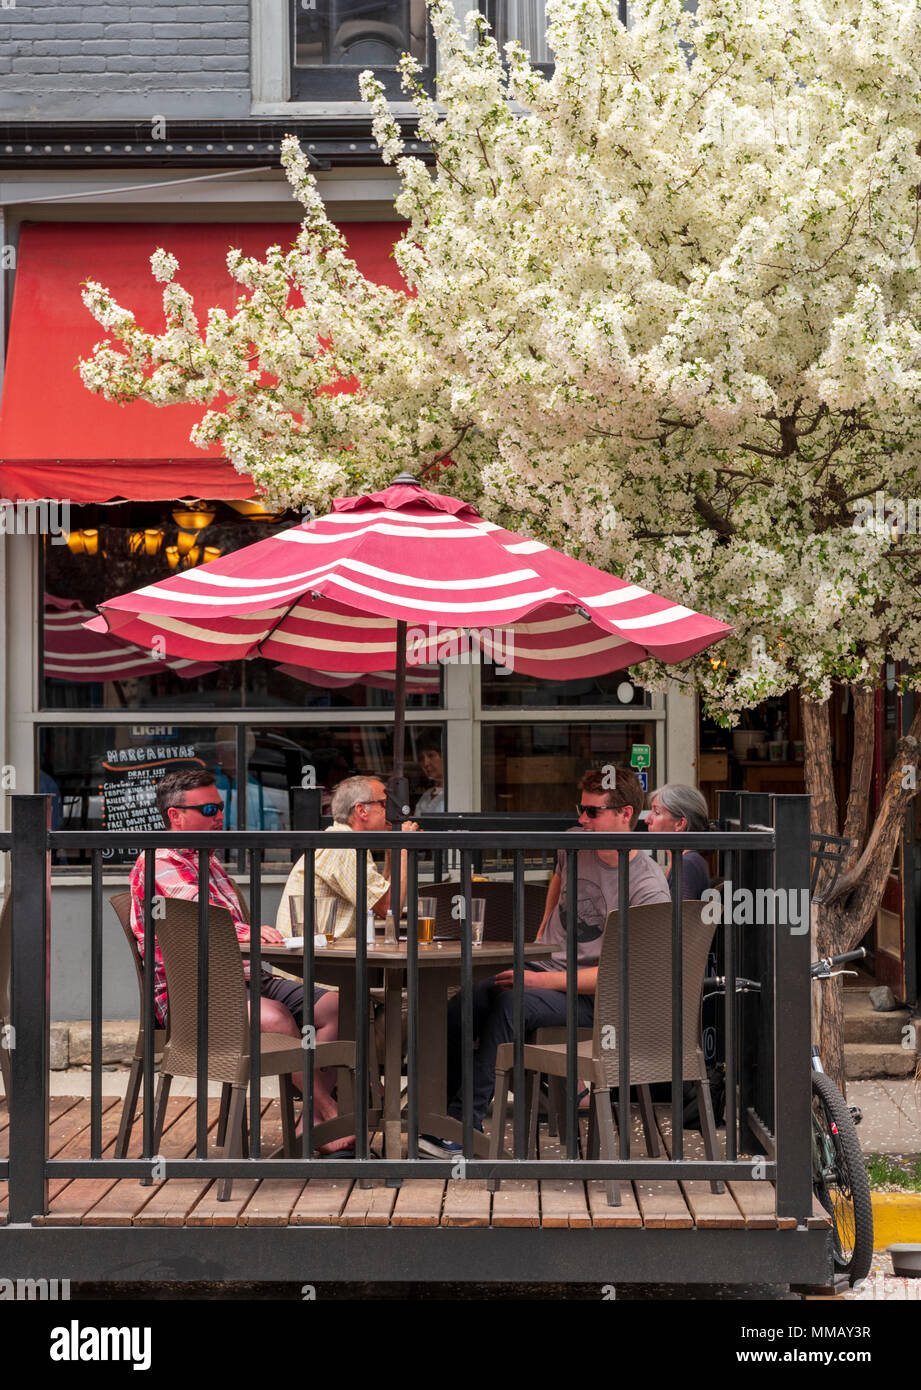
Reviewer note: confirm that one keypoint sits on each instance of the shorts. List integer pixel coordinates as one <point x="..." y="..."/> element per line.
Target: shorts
<point x="288" y="992"/>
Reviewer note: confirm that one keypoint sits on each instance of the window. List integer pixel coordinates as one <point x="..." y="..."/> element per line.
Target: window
<point x="334" y="40"/>
<point x="500" y="690"/>
<point x="535" y="767"/>
<point x="104" y="776"/>
<point x="114" y="549"/>
<point x="526" y="21"/>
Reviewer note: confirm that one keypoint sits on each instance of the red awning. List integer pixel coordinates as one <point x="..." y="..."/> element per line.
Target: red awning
<point x="59" y="440"/>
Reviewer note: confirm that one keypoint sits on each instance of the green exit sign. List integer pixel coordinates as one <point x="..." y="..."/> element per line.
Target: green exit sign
<point x="641" y="755"/>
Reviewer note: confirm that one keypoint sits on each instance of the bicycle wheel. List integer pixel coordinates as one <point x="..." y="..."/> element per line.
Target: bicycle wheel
<point x="839" y="1179"/>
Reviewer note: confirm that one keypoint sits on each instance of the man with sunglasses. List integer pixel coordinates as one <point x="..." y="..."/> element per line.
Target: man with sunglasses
<point x="189" y="801"/>
<point x="358" y="803"/>
<point x="610" y="800"/>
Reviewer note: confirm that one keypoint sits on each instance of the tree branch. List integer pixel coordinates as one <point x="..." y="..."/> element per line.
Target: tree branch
<point x="858" y="801"/>
<point x="712" y="517"/>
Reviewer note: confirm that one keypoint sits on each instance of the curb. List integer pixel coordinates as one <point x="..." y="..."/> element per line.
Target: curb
<point x="896" y="1218"/>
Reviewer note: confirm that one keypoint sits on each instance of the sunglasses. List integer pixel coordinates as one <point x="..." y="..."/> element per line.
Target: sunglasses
<point x="593" y="811"/>
<point x="208" y="810"/>
<point x="371" y="803"/>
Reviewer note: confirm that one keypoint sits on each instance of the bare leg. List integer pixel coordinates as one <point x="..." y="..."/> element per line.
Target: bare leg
<point x="326" y="1022"/>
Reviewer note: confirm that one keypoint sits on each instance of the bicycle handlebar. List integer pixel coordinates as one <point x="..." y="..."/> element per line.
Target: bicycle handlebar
<point x="823" y="966"/>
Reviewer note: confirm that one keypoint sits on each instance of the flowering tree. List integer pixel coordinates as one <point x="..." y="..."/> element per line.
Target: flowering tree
<point x="665" y="313"/>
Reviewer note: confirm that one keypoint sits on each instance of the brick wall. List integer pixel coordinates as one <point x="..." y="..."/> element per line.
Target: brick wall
<point x="114" y="59"/>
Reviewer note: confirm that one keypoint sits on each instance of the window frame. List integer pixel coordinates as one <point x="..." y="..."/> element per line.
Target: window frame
<point x="339" y="82"/>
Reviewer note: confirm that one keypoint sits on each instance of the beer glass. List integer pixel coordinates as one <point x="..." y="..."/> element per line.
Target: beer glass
<point x="426" y="921"/>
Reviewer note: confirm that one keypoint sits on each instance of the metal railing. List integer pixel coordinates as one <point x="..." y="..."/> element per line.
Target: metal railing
<point x="768" y="1051"/>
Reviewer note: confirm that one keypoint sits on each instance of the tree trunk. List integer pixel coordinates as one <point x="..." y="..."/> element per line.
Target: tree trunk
<point x="820" y="781"/>
<point x="843" y="910"/>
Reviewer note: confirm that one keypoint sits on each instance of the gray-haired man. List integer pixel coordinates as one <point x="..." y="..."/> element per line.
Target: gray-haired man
<point x="358" y="803"/>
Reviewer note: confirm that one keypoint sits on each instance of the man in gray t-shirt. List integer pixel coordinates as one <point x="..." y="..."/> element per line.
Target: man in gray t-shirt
<point x="602" y="807"/>
<point x="599" y="894"/>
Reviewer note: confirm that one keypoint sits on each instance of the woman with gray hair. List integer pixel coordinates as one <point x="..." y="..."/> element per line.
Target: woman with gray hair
<point x="676" y="807"/>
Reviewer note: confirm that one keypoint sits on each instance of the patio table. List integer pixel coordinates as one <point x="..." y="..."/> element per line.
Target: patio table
<point x="439" y="970"/>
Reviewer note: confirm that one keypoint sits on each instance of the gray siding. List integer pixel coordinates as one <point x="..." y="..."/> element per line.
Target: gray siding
<point x="115" y="60"/>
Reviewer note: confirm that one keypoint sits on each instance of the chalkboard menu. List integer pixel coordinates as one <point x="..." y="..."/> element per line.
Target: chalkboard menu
<point x="129" y="788"/>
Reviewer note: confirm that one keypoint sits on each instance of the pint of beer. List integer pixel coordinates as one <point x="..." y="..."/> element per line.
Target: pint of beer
<point x="426" y="921"/>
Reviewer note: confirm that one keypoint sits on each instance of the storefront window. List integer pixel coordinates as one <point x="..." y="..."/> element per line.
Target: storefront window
<point x="499" y="690"/>
<point x="535" y="767"/>
<point x="105" y="776"/>
<point x="114" y="549"/>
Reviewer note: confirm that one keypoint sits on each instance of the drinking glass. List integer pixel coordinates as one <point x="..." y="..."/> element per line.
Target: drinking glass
<point x="477" y="919"/>
<point x="326" y="910"/>
<point x="426" y="921"/>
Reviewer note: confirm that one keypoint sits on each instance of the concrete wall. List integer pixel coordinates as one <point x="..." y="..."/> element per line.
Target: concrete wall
<point x="114" y="59"/>
<point x="70" y="934"/>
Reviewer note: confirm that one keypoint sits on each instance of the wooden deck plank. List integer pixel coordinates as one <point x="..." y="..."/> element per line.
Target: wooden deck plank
<point x="66" y="1127"/>
<point x="169" y="1203"/>
<point x="273" y="1202"/>
<point x="562" y="1204"/>
<point x="418" y="1203"/>
<point x="711" y="1210"/>
<point x="466" y="1203"/>
<point x="368" y="1206"/>
<point x="517" y="1203"/>
<point x="819" y="1218"/>
<point x="68" y="1198"/>
<point x="662" y="1204"/>
<point x="125" y="1198"/>
<point x="321" y="1202"/>
<point x="627" y="1214"/>
<point x="208" y="1211"/>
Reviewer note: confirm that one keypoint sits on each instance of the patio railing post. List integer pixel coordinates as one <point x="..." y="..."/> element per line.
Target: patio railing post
<point x="792" y="1013"/>
<point x="753" y="957"/>
<point x="30" y="1006"/>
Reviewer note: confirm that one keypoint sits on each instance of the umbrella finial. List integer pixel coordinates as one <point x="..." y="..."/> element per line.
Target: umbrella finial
<point x="406" y="478"/>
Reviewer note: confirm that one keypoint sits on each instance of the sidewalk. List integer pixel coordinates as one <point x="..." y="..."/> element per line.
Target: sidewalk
<point x="891" y="1115"/>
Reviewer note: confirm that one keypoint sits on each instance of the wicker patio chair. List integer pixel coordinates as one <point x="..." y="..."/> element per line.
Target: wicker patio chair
<point x="121" y="902"/>
<point x="228" y="1033"/>
<point x="650" y="1033"/>
<point x="498" y="895"/>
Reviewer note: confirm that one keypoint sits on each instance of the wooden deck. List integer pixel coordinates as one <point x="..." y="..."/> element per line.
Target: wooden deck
<point x="420" y="1202"/>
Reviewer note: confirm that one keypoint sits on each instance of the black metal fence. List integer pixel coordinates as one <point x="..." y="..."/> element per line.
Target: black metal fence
<point x="766" y="1043"/>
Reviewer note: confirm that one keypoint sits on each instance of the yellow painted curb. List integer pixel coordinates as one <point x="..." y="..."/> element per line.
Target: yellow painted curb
<point x="896" y="1218"/>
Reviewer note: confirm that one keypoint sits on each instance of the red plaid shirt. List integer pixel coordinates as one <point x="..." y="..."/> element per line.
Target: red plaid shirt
<point x="177" y="877"/>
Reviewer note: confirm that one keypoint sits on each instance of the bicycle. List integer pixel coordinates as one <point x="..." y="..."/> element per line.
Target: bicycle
<point x="839" y="1175"/>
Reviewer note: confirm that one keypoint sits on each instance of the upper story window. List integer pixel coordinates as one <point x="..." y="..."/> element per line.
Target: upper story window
<point x="524" y="20"/>
<point x="334" y="40"/>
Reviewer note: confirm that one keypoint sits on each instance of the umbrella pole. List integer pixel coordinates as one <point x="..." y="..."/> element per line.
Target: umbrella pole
<point x="398" y="790"/>
<point x="399" y="702"/>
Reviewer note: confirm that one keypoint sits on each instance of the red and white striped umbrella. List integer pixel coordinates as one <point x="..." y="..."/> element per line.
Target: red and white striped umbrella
<point x="73" y="654"/>
<point x="329" y="595"/>
<point x="422" y="680"/>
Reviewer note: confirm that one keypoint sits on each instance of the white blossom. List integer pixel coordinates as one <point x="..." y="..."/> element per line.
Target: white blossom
<point x="665" y="313"/>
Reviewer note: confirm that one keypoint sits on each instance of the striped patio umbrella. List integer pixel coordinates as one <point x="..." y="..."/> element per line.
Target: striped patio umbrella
<point x="407" y="576"/>
<point x="71" y="653"/>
